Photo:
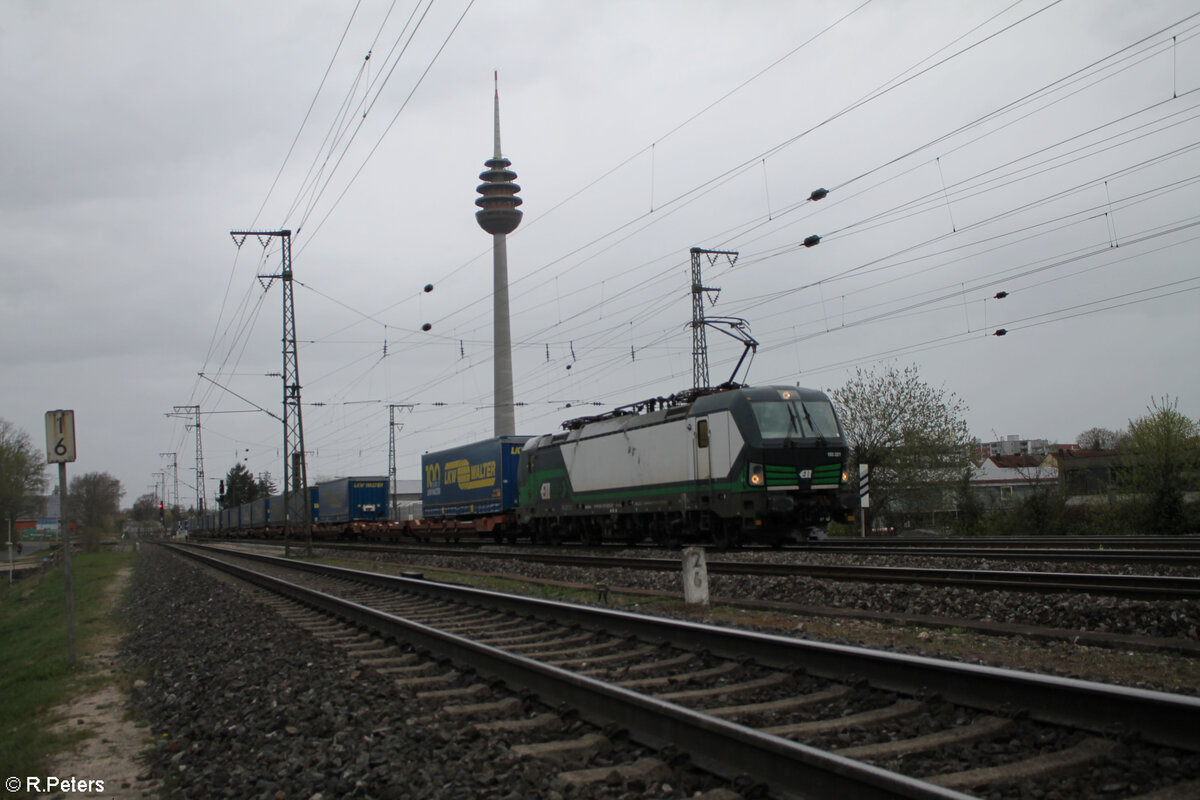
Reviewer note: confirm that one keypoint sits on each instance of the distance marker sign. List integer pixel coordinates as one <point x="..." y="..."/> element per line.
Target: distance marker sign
<point x="60" y="436"/>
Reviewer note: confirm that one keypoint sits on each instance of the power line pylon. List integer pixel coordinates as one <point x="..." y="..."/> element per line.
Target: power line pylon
<point x="699" y="340"/>
<point x="295" y="471"/>
<point x="174" y="477"/>
<point x="392" y="454"/>
<point x="200" y="498"/>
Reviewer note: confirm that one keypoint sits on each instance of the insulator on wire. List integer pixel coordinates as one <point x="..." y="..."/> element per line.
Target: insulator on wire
<point x="1001" y="332"/>
<point x="547" y="353"/>
<point x="426" y="327"/>
<point x="1001" y="295"/>
<point x="812" y="241"/>
<point x="819" y="194"/>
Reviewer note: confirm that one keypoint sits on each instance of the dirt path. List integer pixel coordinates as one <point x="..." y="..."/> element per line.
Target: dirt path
<point x="109" y="754"/>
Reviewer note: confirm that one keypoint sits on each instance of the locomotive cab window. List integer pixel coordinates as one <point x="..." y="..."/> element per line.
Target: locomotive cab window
<point x="795" y="418"/>
<point x="702" y="433"/>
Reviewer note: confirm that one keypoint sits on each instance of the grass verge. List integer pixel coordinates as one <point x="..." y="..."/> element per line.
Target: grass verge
<point x="34" y="673"/>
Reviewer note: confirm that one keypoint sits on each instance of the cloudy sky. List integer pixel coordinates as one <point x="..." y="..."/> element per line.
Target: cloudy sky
<point x="1044" y="149"/>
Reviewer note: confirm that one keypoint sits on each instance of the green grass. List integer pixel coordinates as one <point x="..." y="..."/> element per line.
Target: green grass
<point x="34" y="672"/>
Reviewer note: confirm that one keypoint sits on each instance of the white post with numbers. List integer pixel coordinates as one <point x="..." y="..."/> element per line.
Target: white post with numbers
<point x="60" y="449"/>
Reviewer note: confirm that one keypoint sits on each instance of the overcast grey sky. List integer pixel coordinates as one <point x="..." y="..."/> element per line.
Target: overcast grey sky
<point x="1044" y="149"/>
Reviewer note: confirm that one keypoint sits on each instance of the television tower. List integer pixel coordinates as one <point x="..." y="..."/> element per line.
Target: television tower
<point x="498" y="215"/>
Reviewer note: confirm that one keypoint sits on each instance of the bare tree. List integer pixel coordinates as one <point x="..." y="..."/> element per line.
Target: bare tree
<point x="94" y="502"/>
<point x="1099" y="439"/>
<point x="145" y="508"/>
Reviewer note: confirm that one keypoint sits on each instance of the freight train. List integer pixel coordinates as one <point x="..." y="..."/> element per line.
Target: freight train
<point x="730" y="466"/>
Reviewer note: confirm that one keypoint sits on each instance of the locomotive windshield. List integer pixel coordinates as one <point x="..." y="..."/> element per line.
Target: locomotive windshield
<point x="795" y="418"/>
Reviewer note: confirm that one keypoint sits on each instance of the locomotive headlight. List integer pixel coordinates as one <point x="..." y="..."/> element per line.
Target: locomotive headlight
<point x="757" y="476"/>
<point x="845" y="477"/>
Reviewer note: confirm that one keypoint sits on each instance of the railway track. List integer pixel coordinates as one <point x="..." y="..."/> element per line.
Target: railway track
<point x="808" y="719"/>
<point x="1014" y="542"/>
<point x="1143" y="587"/>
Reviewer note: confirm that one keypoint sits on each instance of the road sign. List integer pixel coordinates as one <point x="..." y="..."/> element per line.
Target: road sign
<point x="864" y="486"/>
<point x="60" y="436"/>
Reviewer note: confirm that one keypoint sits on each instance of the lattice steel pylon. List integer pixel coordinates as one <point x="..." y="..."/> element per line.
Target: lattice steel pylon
<point x="174" y="477"/>
<point x="295" y="471"/>
<point x="392" y="454"/>
<point x="699" y="340"/>
<point x="195" y="411"/>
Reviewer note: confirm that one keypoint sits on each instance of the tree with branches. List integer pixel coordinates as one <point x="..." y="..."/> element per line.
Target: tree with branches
<point x="22" y="472"/>
<point x="1161" y="463"/>
<point x="242" y="487"/>
<point x="913" y="436"/>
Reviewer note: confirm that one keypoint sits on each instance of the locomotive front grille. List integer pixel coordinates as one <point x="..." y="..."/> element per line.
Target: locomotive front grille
<point x="826" y="476"/>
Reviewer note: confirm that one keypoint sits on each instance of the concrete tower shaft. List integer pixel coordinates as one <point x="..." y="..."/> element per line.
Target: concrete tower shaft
<point x="499" y="216"/>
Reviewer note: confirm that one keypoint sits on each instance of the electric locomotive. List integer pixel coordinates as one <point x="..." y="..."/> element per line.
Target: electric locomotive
<point x="731" y="466"/>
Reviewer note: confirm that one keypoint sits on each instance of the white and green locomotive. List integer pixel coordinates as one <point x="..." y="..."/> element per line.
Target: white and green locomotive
<point x="731" y="466"/>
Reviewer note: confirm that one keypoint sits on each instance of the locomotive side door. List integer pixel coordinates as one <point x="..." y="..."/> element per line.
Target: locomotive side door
<point x="701" y="438"/>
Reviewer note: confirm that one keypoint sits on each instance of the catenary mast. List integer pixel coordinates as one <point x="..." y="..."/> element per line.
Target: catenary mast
<point x="499" y="216"/>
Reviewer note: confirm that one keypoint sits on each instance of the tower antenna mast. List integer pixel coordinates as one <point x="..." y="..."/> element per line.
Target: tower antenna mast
<point x="499" y="216"/>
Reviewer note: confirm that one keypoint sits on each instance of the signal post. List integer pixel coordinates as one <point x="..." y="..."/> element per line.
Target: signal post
<point x="60" y="449"/>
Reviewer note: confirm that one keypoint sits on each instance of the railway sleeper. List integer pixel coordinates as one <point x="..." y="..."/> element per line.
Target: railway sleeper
<point x="644" y="769"/>
<point x="535" y="648"/>
<point x="583" y="747"/>
<point x="431" y="680"/>
<point x="897" y="710"/>
<point x="729" y="689"/>
<point x="666" y="663"/>
<point x="489" y="629"/>
<point x="390" y="662"/>
<point x="536" y="722"/>
<point x="479" y="620"/>
<point x="506" y="641"/>
<point x="1037" y="768"/>
<point x="982" y="728"/>
<point x="509" y="705"/>
<point x="578" y="653"/>
<point x="411" y="670"/>
<point x="679" y="680"/>
<point x="474" y="690"/>
<point x="370" y="649"/>
<point x="786" y="704"/>
<point x="589" y="666"/>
